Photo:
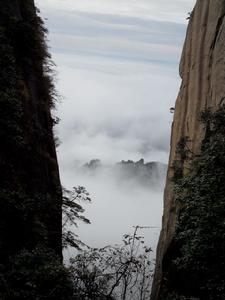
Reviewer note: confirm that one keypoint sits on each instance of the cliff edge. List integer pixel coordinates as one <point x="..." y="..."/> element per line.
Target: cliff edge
<point x="203" y="86"/>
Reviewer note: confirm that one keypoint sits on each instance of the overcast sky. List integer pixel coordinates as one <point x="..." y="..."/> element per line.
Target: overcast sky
<point x="117" y="69"/>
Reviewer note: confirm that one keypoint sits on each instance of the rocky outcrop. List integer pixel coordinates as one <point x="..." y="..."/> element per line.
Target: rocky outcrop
<point x="202" y="70"/>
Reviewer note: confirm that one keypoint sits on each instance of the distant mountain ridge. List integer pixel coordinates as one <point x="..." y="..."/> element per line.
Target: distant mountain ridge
<point x="146" y="174"/>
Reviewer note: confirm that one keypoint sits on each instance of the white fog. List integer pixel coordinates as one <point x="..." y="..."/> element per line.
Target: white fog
<point x="117" y="74"/>
<point x="121" y="198"/>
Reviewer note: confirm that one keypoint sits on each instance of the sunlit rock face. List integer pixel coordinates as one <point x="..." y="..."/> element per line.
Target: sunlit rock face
<point x="203" y="86"/>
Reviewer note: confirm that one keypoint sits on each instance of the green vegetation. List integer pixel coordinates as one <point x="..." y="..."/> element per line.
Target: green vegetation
<point x="195" y="263"/>
<point x="116" y="272"/>
<point x="37" y="274"/>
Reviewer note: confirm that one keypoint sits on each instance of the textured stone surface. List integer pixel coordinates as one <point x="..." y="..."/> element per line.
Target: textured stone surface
<point x="202" y="70"/>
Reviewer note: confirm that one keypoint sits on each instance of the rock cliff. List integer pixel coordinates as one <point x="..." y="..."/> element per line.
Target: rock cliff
<point x="30" y="190"/>
<point x="202" y="70"/>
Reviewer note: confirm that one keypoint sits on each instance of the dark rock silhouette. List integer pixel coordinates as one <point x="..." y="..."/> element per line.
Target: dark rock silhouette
<point x="145" y="174"/>
<point x="30" y="189"/>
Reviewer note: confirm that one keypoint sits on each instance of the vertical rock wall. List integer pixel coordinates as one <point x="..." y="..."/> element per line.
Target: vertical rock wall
<point x="202" y="70"/>
<point x="30" y="190"/>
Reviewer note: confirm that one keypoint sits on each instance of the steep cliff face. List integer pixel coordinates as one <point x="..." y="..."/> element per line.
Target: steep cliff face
<point x="30" y="190"/>
<point x="202" y="70"/>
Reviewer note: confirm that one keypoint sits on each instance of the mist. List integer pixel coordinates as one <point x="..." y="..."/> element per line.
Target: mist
<point x="117" y="66"/>
<point x="120" y="200"/>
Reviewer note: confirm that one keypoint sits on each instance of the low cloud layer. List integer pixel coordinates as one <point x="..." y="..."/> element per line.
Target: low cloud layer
<point x="120" y="200"/>
<point x="117" y="64"/>
<point x="118" y="74"/>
